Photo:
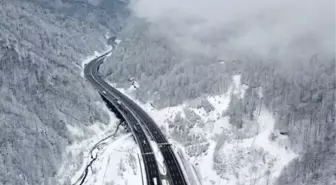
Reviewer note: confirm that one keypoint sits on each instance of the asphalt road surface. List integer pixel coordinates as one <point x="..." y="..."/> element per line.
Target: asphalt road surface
<point x="134" y="116"/>
<point x="150" y="164"/>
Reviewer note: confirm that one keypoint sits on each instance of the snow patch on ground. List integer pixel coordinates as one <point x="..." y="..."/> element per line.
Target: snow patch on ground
<point x="118" y="159"/>
<point x="117" y="41"/>
<point x="256" y="160"/>
<point x="77" y="154"/>
<point x="238" y="88"/>
<point x="118" y="163"/>
<point x="133" y="87"/>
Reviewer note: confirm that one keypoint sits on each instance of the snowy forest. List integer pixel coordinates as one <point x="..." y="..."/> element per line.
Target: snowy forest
<point x="148" y="58"/>
<point x="298" y="87"/>
<point x="177" y="59"/>
<point x="42" y="45"/>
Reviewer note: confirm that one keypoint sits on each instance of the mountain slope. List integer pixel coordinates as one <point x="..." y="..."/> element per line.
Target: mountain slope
<point x="295" y="81"/>
<point x="41" y="48"/>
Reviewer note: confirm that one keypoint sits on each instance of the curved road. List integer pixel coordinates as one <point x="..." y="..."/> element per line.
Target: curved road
<point x="135" y="116"/>
<point x="151" y="167"/>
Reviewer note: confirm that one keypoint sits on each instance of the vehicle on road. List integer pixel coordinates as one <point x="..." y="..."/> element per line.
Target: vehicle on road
<point x="155" y="180"/>
<point x="104" y="92"/>
<point x="135" y="128"/>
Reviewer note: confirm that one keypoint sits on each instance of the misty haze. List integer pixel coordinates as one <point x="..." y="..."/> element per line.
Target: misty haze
<point x="167" y="92"/>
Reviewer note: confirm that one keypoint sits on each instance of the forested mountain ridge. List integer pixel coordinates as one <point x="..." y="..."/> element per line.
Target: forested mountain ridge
<point x="302" y="99"/>
<point x="42" y="44"/>
<point x="169" y="75"/>
<point x="298" y="88"/>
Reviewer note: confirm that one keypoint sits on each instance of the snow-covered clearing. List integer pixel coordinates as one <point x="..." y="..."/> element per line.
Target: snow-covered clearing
<point x="78" y="153"/>
<point x="256" y="160"/>
<point x="117" y="163"/>
<point x="230" y="156"/>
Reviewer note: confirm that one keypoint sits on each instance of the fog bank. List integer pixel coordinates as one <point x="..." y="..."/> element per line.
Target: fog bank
<point x="231" y="28"/>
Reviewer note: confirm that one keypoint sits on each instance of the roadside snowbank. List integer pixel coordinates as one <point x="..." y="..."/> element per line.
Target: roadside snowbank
<point x="118" y="163"/>
<point x="159" y="158"/>
<point x="96" y="54"/>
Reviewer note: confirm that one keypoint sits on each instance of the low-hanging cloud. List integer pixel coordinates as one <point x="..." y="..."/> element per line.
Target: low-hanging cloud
<point x="259" y="27"/>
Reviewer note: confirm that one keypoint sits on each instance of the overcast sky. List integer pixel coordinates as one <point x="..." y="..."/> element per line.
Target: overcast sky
<point x="260" y="27"/>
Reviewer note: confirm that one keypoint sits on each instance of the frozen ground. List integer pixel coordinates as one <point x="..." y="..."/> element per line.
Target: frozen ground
<point x="78" y="154"/>
<point x="117" y="163"/>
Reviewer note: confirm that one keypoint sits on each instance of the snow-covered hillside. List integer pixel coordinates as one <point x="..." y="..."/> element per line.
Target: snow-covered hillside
<point x="117" y="163"/>
<point x="43" y="95"/>
<point x="88" y="144"/>
<point x="211" y="148"/>
<point x="106" y="153"/>
<point x="218" y="151"/>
